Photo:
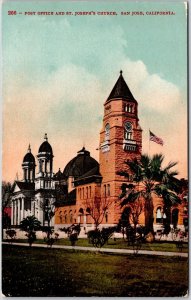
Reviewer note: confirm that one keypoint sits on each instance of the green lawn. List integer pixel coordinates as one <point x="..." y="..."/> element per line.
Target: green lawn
<point x="121" y="244"/>
<point x="55" y="272"/>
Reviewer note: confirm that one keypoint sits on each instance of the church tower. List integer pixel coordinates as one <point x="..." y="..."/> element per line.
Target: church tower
<point x="28" y="166"/>
<point x="120" y="140"/>
<point x="45" y="162"/>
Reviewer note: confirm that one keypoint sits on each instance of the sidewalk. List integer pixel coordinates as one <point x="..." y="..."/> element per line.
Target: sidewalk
<point x="104" y="250"/>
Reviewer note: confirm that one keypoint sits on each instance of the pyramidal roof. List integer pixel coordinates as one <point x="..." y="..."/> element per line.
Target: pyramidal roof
<point x="121" y="90"/>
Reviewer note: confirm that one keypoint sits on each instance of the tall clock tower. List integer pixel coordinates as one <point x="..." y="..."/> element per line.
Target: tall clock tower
<point x="120" y="140"/>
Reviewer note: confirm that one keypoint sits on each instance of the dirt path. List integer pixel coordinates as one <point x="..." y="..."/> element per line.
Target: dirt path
<point x="105" y="250"/>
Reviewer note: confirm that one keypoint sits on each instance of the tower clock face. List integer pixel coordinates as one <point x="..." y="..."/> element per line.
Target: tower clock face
<point x="128" y="126"/>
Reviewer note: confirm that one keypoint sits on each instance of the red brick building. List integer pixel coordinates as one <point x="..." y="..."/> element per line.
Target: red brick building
<point x="88" y="183"/>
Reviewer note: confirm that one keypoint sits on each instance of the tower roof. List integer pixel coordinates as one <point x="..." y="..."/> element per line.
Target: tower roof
<point x="121" y="90"/>
<point x="45" y="146"/>
<point x="29" y="157"/>
<point x="59" y="175"/>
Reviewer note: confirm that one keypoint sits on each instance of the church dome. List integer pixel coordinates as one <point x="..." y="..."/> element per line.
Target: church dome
<point x="29" y="158"/>
<point x="45" y="146"/>
<point x="80" y="164"/>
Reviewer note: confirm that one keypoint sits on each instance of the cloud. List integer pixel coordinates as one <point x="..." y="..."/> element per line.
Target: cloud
<point x="57" y="79"/>
<point x="153" y="92"/>
<point x="68" y="105"/>
<point x="69" y="95"/>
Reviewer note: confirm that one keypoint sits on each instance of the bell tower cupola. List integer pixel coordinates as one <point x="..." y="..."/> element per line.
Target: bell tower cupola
<point x="28" y="166"/>
<point x="45" y="159"/>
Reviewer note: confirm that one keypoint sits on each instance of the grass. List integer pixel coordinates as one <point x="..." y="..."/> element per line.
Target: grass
<point x="121" y="244"/>
<point x="54" y="272"/>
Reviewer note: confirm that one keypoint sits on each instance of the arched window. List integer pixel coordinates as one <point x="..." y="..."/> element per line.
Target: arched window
<point x="71" y="217"/>
<point x="108" y="189"/>
<point x="65" y="219"/>
<point x="88" y="210"/>
<point x="107" y="131"/>
<point x="87" y="192"/>
<point x="130" y="108"/>
<point x="90" y="191"/>
<point x="104" y="190"/>
<point x="81" y="211"/>
<point x="159" y="215"/>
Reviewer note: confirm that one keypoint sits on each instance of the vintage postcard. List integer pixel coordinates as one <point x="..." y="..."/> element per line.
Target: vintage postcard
<point x="95" y="149"/>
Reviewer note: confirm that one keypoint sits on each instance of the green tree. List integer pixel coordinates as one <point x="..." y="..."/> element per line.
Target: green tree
<point x="6" y="197"/>
<point x="30" y="224"/>
<point x="151" y="179"/>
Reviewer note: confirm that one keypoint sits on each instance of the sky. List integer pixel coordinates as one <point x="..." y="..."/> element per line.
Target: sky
<point x="58" y="70"/>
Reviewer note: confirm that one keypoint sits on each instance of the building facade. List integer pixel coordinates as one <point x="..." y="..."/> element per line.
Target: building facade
<point x="120" y="140"/>
<point x="34" y="195"/>
<point x="86" y="187"/>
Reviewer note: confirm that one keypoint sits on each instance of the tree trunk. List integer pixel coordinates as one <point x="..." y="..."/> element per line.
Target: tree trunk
<point x="167" y="220"/>
<point x="96" y="225"/>
<point x="149" y="215"/>
<point x="49" y="229"/>
<point x="168" y="215"/>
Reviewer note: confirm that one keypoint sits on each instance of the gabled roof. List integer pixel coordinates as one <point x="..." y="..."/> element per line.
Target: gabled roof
<point x="121" y="90"/>
<point x="23" y="185"/>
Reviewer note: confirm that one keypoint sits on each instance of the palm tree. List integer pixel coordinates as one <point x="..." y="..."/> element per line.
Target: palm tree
<point x="30" y="224"/>
<point x="152" y="179"/>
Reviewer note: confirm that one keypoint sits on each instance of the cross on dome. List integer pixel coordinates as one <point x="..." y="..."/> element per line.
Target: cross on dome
<point x="29" y="149"/>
